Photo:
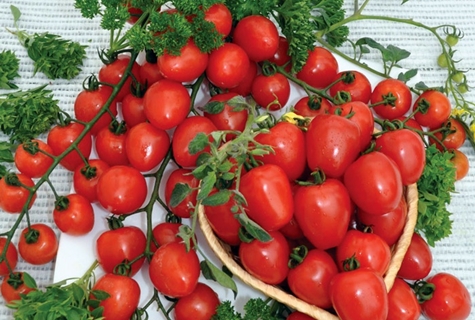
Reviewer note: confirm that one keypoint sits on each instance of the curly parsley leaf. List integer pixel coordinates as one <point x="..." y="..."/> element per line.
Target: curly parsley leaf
<point x="9" y="66"/>
<point x="254" y="309"/>
<point x="434" y="187"/>
<point x="327" y="13"/>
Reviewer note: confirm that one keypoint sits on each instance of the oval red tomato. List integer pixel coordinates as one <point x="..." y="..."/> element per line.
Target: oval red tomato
<point x="201" y="304"/>
<point x="402" y="302"/>
<point x="417" y="262"/>
<point x="73" y="214"/>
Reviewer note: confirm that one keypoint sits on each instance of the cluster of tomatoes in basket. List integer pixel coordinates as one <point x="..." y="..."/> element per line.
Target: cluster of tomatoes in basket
<point x="332" y="193"/>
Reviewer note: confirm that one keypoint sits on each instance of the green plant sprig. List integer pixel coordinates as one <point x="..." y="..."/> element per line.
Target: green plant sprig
<point x="9" y="66"/>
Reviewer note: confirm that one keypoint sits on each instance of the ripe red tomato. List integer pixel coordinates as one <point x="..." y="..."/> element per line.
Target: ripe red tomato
<point x="110" y="145"/>
<point x="133" y="109"/>
<point x="34" y="165"/>
<point x="281" y="56"/>
<point x="89" y="103"/>
<point x="166" y="104"/>
<point x="369" y="249"/>
<point x="13" y="287"/>
<point x="124" y="296"/>
<point x="353" y="82"/>
<point x="362" y="115"/>
<point x="266" y="261"/>
<point x="174" y="271"/>
<point x="288" y="142"/>
<point x="410" y="123"/>
<point x="113" y="72"/>
<point x="310" y="280"/>
<point x="184" y="176"/>
<point x="221" y="17"/>
<point x="271" y="92"/>
<point x="453" y="140"/>
<point x="258" y="36"/>
<point x="374" y="183"/>
<point x="149" y="74"/>
<point x="269" y="196"/>
<point x="292" y="230"/>
<point x="461" y="163"/>
<point x="244" y="87"/>
<point x="146" y="146"/>
<point x="311" y="106"/>
<point x="11" y="256"/>
<point x="332" y="144"/>
<point x="450" y="299"/>
<point x="388" y="226"/>
<point x="38" y="244"/>
<point x="320" y="69"/>
<point x="165" y="232"/>
<point x="297" y="315"/>
<point x="13" y="196"/>
<point x="407" y="150"/>
<point x="73" y="214"/>
<point x="117" y="246"/>
<point x="417" y="262"/>
<point x="61" y="138"/>
<point x="359" y="295"/>
<point x="391" y="98"/>
<point x="402" y="302"/>
<point x="85" y="178"/>
<point x="201" y="304"/>
<point x="184" y="134"/>
<point x="323" y="212"/>
<point x="185" y="67"/>
<point x="434" y="109"/>
<point x="227" y="66"/>
<point x="121" y="189"/>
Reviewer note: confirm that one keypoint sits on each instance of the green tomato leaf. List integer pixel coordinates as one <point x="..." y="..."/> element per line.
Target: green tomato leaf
<point x="395" y="54"/>
<point x="206" y="186"/>
<point x="6" y="154"/>
<point x="199" y="143"/>
<point x="408" y="75"/>
<point x="214" y="107"/>
<point x="218" y="198"/>
<point x="255" y="230"/>
<point x="16" y="14"/>
<point x="211" y="272"/>
<point x="29" y="280"/>
<point x="179" y="193"/>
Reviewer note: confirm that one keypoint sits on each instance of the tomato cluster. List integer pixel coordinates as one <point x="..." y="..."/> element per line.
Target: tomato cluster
<point x="326" y="188"/>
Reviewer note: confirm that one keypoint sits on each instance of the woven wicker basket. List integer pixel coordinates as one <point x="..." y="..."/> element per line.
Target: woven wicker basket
<point x="398" y="251"/>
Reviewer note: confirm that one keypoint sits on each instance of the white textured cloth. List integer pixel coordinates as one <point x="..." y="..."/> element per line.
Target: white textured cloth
<point x="455" y="254"/>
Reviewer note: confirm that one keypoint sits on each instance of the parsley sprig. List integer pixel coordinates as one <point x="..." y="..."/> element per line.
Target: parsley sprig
<point x="9" y="65"/>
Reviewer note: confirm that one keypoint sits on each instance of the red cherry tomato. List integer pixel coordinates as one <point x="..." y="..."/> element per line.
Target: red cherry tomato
<point x="244" y="87"/>
<point x="227" y="66"/>
<point x="281" y="56"/>
<point x="221" y="17"/>
<point x="114" y="72"/>
<point x="35" y="164"/>
<point x="174" y="271"/>
<point x="311" y="106"/>
<point x="266" y="261"/>
<point x="461" y="163"/>
<point x="269" y="196"/>
<point x="38" y="244"/>
<point x="73" y="214"/>
<point x="271" y="92"/>
<point x="453" y="140"/>
<point x="258" y="36"/>
<point x="121" y="189"/>
<point x="13" y="287"/>
<point x="183" y="176"/>
<point x="85" y="178"/>
<point x="13" y="194"/>
<point x="434" y="109"/>
<point x="133" y="109"/>
<point x="391" y="99"/>
<point x="165" y="232"/>
<point x="417" y="262"/>
<point x="320" y="69"/>
<point x="11" y="256"/>
<point x="201" y="304"/>
<point x="402" y="302"/>
<point x="110" y="145"/>
<point x="149" y="74"/>
<point x="353" y="82"/>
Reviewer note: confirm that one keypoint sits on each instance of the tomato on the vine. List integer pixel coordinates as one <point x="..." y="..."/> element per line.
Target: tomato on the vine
<point x="11" y="256"/>
<point x="38" y="244"/>
<point x="281" y="56"/>
<point x="354" y="83"/>
<point x="184" y="176"/>
<point x="113" y="72"/>
<point x="13" y="194"/>
<point x="244" y="87"/>
<point x="73" y="214"/>
<point x="271" y="92"/>
<point x="165" y="232"/>
<point x="31" y="160"/>
<point x="454" y="139"/>
<point x="149" y="74"/>
<point x="461" y="163"/>
<point x="311" y="106"/>
<point x="133" y="109"/>
<point x="227" y="66"/>
<point x="391" y="98"/>
<point x="221" y="17"/>
<point x="13" y="287"/>
<point x="201" y="304"/>
<point x="85" y="178"/>
<point x="433" y="109"/>
<point x="110" y="144"/>
<point x="320" y="68"/>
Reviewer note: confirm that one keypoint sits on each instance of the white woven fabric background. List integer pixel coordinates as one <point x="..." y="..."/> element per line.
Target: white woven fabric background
<point x="455" y="254"/>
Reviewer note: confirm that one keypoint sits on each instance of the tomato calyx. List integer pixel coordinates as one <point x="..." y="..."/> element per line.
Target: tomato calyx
<point x="118" y="128"/>
<point x="91" y="83"/>
<point x="388" y="100"/>
<point x="31" y="236"/>
<point x="15" y="280"/>
<point x="32" y="147"/>
<point x="12" y="179"/>
<point x="266" y="121"/>
<point x="423" y="290"/>
<point x="351" y="263"/>
<point x="268" y="68"/>
<point x="342" y="97"/>
<point x="297" y="255"/>
<point x="115" y="222"/>
<point x="61" y="203"/>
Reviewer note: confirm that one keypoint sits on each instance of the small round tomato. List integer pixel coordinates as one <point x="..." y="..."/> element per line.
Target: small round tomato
<point x="32" y="158"/>
<point x="452" y="135"/>
<point x="417" y="262"/>
<point x="311" y="106"/>
<point x="13" y="194"/>
<point x="268" y="260"/>
<point x="174" y="270"/>
<point x="433" y="109"/>
<point x="11" y="257"/>
<point x="124" y="296"/>
<point x="450" y="299"/>
<point x="110" y="144"/>
<point x="183" y="176"/>
<point x="374" y="183"/>
<point x="133" y="109"/>
<point x="410" y="123"/>
<point x="268" y="195"/>
<point x="323" y="212"/>
<point x="165" y="232"/>
<point x="121" y="189"/>
<point x="114" y="71"/>
<point x="391" y="98"/>
<point x="38" y="244"/>
<point x="149" y="74"/>
<point x="288" y="144"/>
<point x="244" y="87"/>
<point x="354" y="83"/>
<point x="320" y="68"/>
<point x="271" y="92"/>
<point x="146" y="146"/>
<point x="402" y="302"/>
<point x="61" y="138"/>
<point x="13" y="287"/>
<point x="166" y="104"/>
<point x="221" y="17"/>
<point x="310" y="279"/>
<point x="121" y="245"/>
<point x="185" y="67"/>
<point x="258" y="36"/>
<point x="281" y="56"/>
<point x="85" y="178"/>
<point x="201" y="304"/>
<point x="297" y="315"/>
<point x="73" y="214"/>
<point x="292" y="230"/>
<point x="461" y="163"/>
<point x="227" y="66"/>
<point x="184" y="134"/>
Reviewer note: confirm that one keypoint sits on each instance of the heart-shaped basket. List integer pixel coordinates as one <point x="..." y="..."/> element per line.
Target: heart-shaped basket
<point x="399" y="249"/>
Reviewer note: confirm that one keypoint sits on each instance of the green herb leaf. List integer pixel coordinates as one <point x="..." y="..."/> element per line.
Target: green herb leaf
<point x="29" y="280"/>
<point x="199" y="143"/>
<point x="255" y="230"/>
<point x="408" y="75"/>
<point x="206" y="185"/>
<point x="179" y="193"/>
<point x="214" y="107"/>
<point x="211" y="272"/>
<point x="16" y="14"/>
<point x="218" y="198"/>
<point x="6" y="154"/>
<point x="9" y="66"/>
